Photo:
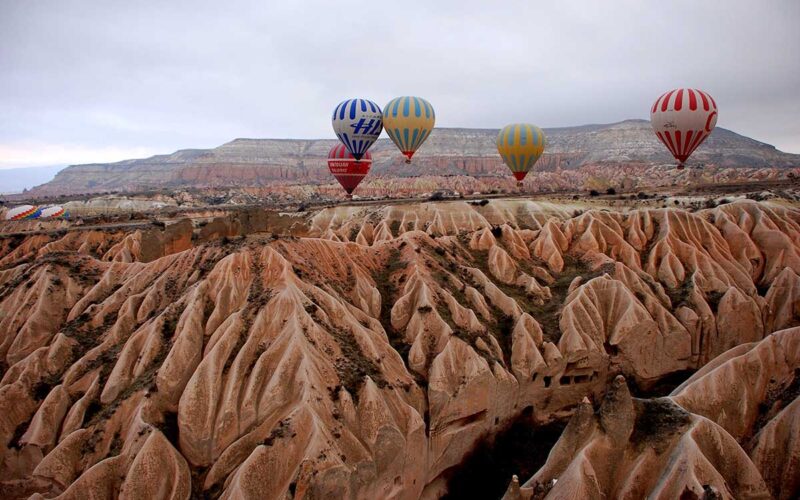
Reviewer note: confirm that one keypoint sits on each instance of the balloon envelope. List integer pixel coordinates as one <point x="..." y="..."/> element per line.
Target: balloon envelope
<point x="409" y="121"/>
<point x="682" y="119"/>
<point x="347" y="170"/>
<point x="23" y="212"/>
<point x="53" y="211"/>
<point x="520" y="145"/>
<point x="357" y="123"/>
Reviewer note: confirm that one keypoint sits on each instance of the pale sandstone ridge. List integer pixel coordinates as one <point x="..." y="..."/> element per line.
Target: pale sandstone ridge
<point x="363" y="351"/>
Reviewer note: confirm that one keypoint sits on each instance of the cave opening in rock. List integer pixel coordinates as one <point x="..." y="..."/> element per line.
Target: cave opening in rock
<point x="520" y="448"/>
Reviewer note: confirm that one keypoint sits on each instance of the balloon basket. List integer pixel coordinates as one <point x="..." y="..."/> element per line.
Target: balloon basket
<point x="681" y="166"/>
<point x="408" y="160"/>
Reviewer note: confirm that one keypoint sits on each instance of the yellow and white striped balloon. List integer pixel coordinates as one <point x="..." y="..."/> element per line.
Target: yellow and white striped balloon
<point x="520" y="145"/>
<point x="409" y="121"/>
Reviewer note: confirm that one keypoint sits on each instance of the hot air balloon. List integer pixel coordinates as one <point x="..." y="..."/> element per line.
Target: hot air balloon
<point x="347" y="170"/>
<point x="520" y="145"/>
<point x="408" y="120"/>
<point x="53" y="212"/>
<point x="357" y="123"/>
<point x="23" y="212"/>
<point x="682" y="119"/>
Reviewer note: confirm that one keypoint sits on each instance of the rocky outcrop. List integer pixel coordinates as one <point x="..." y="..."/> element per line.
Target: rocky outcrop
<point x="729" y="432"/>
<point x="633" y="448"/>
<point x="752" y="393"/>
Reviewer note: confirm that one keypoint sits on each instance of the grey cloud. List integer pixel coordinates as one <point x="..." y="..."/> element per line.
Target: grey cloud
<point x="168" y="75"/>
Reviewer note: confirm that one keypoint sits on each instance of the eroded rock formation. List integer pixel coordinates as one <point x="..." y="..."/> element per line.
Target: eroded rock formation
<point x="363" y="351"/>
<point x="730" y="430"/>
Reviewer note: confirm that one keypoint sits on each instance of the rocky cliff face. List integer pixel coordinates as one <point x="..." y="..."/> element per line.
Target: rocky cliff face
<point x="260" y="162"/>
<point x="363" y="351"/>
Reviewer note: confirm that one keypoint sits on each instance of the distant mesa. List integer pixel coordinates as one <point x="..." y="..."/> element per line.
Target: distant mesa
<point x="448" y="151"/>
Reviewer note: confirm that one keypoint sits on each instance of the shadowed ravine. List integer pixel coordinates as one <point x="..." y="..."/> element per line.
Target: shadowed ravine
<point x="521" y="449"/>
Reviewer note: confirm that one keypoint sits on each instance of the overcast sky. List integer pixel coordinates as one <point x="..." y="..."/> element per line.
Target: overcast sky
<point x="109" y="80"/>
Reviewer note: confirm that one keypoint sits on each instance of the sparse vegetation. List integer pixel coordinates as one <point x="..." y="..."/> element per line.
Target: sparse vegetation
<point x="354" y="366"/>
<point x="282" y="430"/>
<point x="384" y="281"/>
<point x="656" y="421"/>
<point x="680" y="295"/>
<point x="712" y="298"/>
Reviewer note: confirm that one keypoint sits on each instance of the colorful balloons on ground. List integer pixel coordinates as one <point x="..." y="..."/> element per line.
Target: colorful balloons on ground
<point x="520" y="145"/>
<point x="682" y="119"/>
<point x="23" y="212"/>
<point x="28" y="212"/>
<point x="357" y="123"/>
<point x="53" y="212"/>
<point x="408" y="121"/>
<point x="347" y="170"/>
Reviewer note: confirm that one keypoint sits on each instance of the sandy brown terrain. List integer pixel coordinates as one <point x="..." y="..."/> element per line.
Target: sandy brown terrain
<point x="366" y="351"/>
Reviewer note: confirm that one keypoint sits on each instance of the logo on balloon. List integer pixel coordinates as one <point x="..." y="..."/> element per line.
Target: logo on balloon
<point x="363" y="128"/>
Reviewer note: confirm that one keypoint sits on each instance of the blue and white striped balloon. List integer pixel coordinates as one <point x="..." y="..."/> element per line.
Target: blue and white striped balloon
<point x="357" y="123"/>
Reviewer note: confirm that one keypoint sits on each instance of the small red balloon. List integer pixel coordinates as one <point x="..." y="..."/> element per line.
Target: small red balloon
<point x="347" y="170"/>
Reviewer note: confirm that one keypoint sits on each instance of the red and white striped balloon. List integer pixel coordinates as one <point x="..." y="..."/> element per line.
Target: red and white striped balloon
<point x="682" y="119"/>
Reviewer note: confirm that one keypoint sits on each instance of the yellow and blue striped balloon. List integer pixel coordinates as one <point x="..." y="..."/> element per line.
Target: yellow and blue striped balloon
<point x="409" y="121"/>
<point x="520" y="145"/>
